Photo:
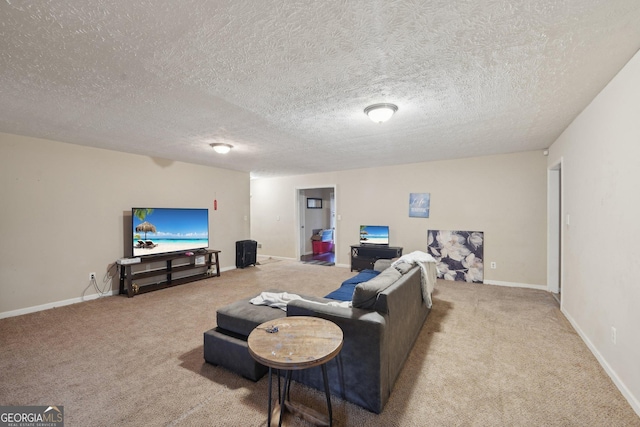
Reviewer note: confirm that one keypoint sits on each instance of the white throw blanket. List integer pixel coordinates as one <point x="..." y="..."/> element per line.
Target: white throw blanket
<point x="428" y="269"/>
<point x="281" y="299"/>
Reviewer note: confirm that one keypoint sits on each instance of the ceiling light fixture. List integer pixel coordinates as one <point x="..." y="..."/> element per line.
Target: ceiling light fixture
<point x="380" y="113"/>
<point x="221" y="148"/>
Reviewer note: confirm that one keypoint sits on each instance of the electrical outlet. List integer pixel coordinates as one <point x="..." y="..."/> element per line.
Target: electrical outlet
<point x="259" y="245"/>
<point x="493" y="265"/>
<point x="92" y="276"/>
<point x="613" y="335"/>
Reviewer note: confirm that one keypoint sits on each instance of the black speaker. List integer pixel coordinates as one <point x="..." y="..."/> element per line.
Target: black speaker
<point x="246" y="253"/>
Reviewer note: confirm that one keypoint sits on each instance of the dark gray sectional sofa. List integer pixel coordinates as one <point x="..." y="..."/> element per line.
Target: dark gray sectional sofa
<point x="379" y="332"/>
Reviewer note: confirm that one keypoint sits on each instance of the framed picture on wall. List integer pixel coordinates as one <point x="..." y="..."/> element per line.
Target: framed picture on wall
<point x="419" y="204"/>
<point x="314" y="203"/>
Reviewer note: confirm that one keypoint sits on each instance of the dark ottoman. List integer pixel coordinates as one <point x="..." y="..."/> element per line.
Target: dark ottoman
<point x="226" y="345"/>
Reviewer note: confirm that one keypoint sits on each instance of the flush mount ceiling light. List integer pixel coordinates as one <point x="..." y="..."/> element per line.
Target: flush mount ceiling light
<point x="380" y="113"/>
<point x="221" y="148"/>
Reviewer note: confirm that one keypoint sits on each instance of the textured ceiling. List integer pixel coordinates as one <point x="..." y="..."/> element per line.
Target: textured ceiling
<point x="286" y="82"/>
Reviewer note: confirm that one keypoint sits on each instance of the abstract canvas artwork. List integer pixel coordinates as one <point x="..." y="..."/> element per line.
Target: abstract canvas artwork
<point x="459" y="254"/>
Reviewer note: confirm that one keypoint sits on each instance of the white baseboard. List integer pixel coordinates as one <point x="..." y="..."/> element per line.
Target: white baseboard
<point x="633" y="400"/>
<point x="276" y="257"/>
<point x="50" y="305"/>
<point x="515" y="285"/>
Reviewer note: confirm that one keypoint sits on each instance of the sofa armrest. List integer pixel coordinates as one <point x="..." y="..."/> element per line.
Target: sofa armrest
<point x="360" y="371"/>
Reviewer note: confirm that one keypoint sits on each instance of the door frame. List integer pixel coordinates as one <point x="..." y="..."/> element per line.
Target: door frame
<point x="555" y="236"/>
<point x="300" y="206"/>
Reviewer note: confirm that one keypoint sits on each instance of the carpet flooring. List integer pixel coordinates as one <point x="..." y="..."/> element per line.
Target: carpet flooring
<point x="486" y="356"/>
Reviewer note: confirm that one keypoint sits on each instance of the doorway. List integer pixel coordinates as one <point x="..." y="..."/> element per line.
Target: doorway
<point x="554" y="230"/>
<point x="316" y="225"/>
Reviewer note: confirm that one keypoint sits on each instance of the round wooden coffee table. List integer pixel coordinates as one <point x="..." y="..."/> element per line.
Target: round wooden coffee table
<point x="300" y="342"/>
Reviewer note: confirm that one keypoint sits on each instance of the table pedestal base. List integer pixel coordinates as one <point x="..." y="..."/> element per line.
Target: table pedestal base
<point x="298" y="409"/>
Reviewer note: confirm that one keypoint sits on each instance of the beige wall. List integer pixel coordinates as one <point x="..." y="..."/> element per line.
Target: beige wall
<point x="599" y="152"/>
<point x="62" y="209"/>
<point x="504" y="196"/>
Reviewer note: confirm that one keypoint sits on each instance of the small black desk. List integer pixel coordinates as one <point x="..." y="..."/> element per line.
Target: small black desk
<point x="364" y="256"/>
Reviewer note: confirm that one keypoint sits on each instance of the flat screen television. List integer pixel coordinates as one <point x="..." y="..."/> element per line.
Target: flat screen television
<point x="374" y="235"/>
<point x="166" y="230"/>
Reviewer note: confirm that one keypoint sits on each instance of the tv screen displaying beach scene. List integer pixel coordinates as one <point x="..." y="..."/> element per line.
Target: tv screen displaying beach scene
<point x="165" y="230"/>
<point x="374" y="235"/>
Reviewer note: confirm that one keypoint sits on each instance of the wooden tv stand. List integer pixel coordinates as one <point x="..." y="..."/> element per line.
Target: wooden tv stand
<point x="173" y="263"/>
<point x="364" y="256"/>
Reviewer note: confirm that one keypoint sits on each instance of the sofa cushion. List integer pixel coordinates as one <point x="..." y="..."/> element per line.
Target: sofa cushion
<point x="242" y="317"/>
<point x="366" y="293"/>
<point x="382" y="264"/>
<point x="363" y="276"/>
<point x="403" y="267"/>
<point x="345" y="291"/>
